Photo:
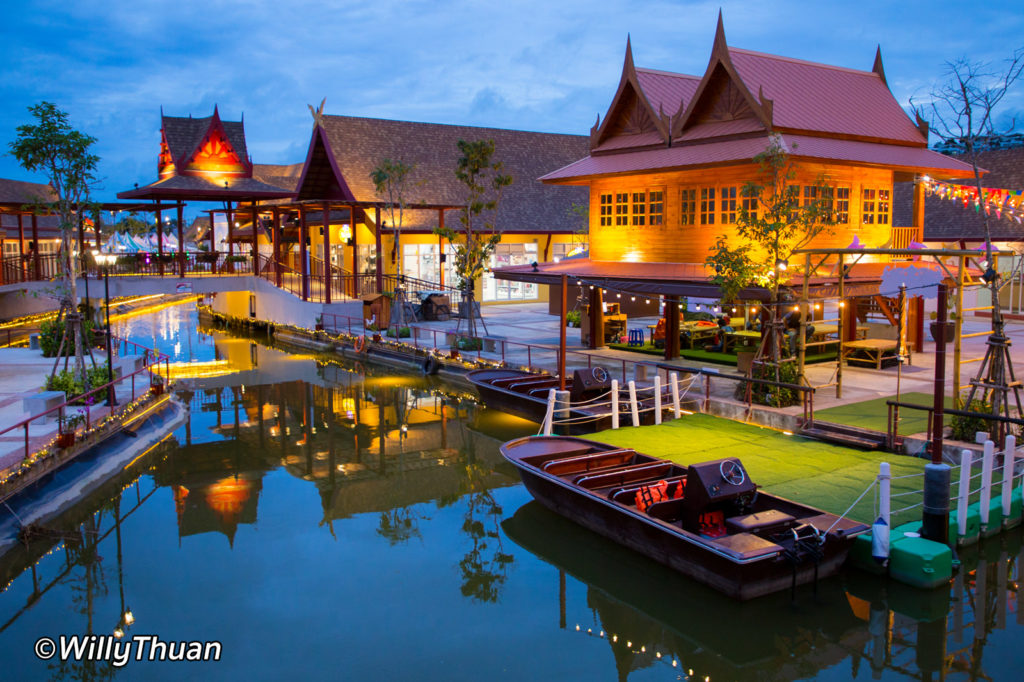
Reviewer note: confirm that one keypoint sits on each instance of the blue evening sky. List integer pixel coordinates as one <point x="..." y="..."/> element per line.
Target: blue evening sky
<point x="546" y="66"/>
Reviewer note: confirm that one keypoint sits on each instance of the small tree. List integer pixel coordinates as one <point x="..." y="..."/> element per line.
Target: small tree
<point x="773" y="222"/>
<point x="391" y="181"/>
<point x="484" y="182"/>
<point x="52" y="147"/>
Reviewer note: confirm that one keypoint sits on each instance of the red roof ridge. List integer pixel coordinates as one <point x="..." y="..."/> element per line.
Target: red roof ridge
<point x="805" y="62"/>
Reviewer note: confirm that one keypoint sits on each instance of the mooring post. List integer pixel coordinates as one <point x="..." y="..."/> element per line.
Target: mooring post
<point x="963" y="494"/>
<point x="549" y="416"/>
<point x="632" y="403"/>
<point x="615" y="403"/>
<point x="935" y="512"/>
<point x="985" y="504"/>
<point x="657" y="398"/>
<point x="562" y="410"/>
<point x="880" y="529"/>
<point x="673" y="379"/>
<point x="1009" y="454"/>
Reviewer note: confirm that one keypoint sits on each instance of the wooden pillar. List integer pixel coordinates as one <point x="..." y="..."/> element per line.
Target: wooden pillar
<point x="181" y="240"/>
<point x="23" y="265"/>
<point x="440" y="248"/>
<point x="844" y="316"/>
<point x="276" y="247"/>
<point x="35" y="245"/>
<point x="303" y="261"/>
<point x="380" y="255"/>
<point x="595" y="316"/>
<point x="328" y="270"/>
<point x="918" y="303"/>
<point x="96" y="228"/>
<point x="231" y="229"/>
<point x="255" y="241"/>
<point x="561" y="335"/>
<point x="159" y="241"/>
<point x="919" y="208"/>
<point x="356" y="289"/>
<point x="671" y="327"/>
<point x="213" y="235"/>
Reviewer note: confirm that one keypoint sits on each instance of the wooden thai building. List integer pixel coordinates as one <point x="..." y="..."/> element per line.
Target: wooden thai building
<point x="666" y="165"/>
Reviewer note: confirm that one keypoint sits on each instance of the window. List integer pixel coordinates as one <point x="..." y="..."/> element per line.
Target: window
<point x="606" y="210"/>
<point x="504" y="290"/>
<point x="728" y="205"/>
<point x="621" y="208"/>
<point x="688" y="207"/>
<point x="560" y="251"/>
<point x="842" y="205"/>
<point x="656" y="207"/>
<point x="875" y="206"/>
<point x="749" y="204"/>
<point x="639" y="213"/>
<point x="707" y="205"/>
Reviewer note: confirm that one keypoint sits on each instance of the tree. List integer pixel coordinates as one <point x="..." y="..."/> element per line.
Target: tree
<point x="484" y="182"/>
<point x="391" y="181"/>
<point x="961" y="110"/>
<point x="773" y="222"/>
<point x="52" y="147"/>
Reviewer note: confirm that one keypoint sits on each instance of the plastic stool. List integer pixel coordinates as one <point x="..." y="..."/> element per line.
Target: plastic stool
<point x="636" y="337"/>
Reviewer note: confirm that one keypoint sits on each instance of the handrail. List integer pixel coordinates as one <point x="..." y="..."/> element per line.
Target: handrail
<point x="147" y="366"/>
<point x="892" y="435"/>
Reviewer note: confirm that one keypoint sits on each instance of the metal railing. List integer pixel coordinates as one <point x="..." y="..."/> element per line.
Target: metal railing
<point x="25" y="268"/>
<point x="894" y="439"/>
<point x="151" y="359"/>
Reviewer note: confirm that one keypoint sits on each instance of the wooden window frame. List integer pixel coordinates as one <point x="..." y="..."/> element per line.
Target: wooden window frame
<point x="707" y="206"/>
<point x="687" y="206"/>
<point x="606" y="202"/>
<point x="727" y="204"/>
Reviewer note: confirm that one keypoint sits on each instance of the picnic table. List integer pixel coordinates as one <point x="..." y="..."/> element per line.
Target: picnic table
<point x="746" y="338"/>
<point x="875" y="349"/>
<point x="826" y="330"/>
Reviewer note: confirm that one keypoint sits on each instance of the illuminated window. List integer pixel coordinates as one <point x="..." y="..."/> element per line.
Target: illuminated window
<point x="875" y="206"/>
<point x="842" y="205"/>
<point x="707" y="205"/>
<point x="728" y="205"/>
<point x="748" y="204"/>
<point x="656" y="207"/>
<point x="621" y="208"/>
<point x="606" y="210"/>
<point x="688" y="207"/>
<point x="639" y="208"/>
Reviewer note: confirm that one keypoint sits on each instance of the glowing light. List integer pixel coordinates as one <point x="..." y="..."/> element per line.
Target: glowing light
<point x="118" y="632"/>
<point x="128" y="617"/>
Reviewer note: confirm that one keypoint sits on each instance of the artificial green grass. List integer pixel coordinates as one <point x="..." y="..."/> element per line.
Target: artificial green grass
<point x="872" y="414"/>
<point x="708" y="356"/>
<point x="822" y="475"/>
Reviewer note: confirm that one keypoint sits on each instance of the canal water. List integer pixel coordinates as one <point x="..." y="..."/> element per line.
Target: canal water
<point x="320" y="519"/>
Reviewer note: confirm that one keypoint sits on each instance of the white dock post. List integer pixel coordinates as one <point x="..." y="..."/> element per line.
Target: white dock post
<point x="880" y="529"/>
<point x="963" y="494"/>
<point x="615" y="403"/>
<point x="632" y="403"/>
<point x="563" y="410"/>
<point x="550" y="414"/>
<point x="657" y="398"/>
<point x="673" y="380"/>
<point x="988" y="454"/>
<point x="1008" y="457"/>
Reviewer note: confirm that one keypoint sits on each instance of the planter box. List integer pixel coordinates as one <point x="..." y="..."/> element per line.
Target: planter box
<point x="65" y="439"/>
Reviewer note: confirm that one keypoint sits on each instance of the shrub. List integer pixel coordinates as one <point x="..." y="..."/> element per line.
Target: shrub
<point x="403" y="332"/>
<point x="964" y="428"/>
<point x="773" y="396"/>
<point x="66" y="380"/>
<point x="465" y="343"/>
<point x="50" y="333"/>
<point x="573" y="318"/>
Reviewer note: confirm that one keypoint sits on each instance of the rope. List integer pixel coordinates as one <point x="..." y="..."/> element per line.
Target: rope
<point x="911" y="492"/>
<point x="913" y="506"/>
<point x="850" y="508"/>
<point x="897" y="478"/>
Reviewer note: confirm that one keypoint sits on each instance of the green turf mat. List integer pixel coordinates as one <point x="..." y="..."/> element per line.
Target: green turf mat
<point x="872" y="414"/>
<point x="822" y="475"/>
<point x="708" y="356"/>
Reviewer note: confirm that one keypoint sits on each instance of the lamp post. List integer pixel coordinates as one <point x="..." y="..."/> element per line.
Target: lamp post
<point x="105" y="260"/>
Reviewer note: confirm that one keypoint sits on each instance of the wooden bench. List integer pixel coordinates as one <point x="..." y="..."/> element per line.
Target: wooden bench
<point x="594" y="460"/>
<point x="630" y="474"/>
<point x="627" y="494"/>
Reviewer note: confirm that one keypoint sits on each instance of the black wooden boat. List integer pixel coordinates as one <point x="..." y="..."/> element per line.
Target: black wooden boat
<point x="707" y="520"/>
<point x="525" y="395"/>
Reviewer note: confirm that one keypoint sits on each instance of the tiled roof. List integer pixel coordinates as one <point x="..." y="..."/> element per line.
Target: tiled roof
<point x="947" y="221"/>
<point x="745" y="149"/>
<point x="185" y="133"/>
<point x="665" y="90"/>
<point x="360" y="144"/>
<point x="283" y="176"/>
<point x="823" y="98"/>
<point x="15" y="192"/>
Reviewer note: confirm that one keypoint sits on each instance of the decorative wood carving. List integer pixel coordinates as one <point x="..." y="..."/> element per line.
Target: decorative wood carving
<point x="631" y="117"/>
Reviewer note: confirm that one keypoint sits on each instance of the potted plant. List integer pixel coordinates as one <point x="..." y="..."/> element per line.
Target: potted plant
<point x="66" y="429"/>
<point x="156" y="384"/>
<point x="319" y="323"/>
<point x="936" y="329"/>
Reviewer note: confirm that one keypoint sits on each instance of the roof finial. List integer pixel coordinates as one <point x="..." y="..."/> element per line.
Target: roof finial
<point x="719" y="43"/>
<point x="629" y="54"/>
<point x="318" y="113"/>
<point x="877" y="66"/>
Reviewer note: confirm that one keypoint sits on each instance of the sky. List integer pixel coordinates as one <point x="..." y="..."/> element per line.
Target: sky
<point x="545" y="66"/>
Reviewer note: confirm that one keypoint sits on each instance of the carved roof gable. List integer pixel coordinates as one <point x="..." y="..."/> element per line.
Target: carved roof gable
<point x="630" y="113"/>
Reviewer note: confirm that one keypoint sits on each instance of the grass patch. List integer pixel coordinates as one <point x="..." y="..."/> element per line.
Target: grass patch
<point x="872" y="414"/>
<point x="822" y="475"/>
<point x="707" y="356"/>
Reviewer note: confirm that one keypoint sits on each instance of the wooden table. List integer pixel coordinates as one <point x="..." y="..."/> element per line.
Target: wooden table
<point x="743" y="337"/>
<point x="875" y="349"/>
<point x="825" y="330"/>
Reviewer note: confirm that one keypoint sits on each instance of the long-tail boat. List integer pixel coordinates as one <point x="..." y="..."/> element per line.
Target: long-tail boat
<point x="708" y="521"/>
<point x="525" y="395"/>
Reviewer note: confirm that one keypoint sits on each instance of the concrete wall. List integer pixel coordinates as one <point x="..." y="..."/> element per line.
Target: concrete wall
<point x="24" y="300"/>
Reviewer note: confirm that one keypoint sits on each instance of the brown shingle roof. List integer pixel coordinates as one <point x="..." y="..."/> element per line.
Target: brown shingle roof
<point x="185" y="133"/>
<point x="946" y="220"/>
<point x="360" y="144"/>
<point x="283" y="176"/>
<point x="19" y="192"/>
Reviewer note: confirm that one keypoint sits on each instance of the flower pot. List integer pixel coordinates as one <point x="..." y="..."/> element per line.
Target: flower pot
<point x="65" y="439"/>
<point x="158" y="389"/>
<point x="936" y="329"/>
<point x="318" y="327"/>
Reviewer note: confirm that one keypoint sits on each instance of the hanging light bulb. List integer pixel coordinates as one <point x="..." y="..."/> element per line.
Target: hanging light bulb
<point x="632" y="298"/>
<point x="129" y="618"/>
<point x="118" y="632"/>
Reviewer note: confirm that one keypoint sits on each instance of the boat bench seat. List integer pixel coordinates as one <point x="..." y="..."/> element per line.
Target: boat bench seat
<point x="667" y="510"/>
<point x="522" y="385"/>
<point x="505" y="381"/>
<point x="542" y="459"/>
<point x="630" y="474"/>
<point x="588" y="462"/>
<point x="764" y="520"/>
<point x="627" y="494"/>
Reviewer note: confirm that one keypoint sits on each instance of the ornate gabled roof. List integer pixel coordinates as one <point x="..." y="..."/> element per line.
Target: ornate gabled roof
<point x="631" y="115"/>
<point x="344" y="150"/>
<point x="186" y="138"/>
